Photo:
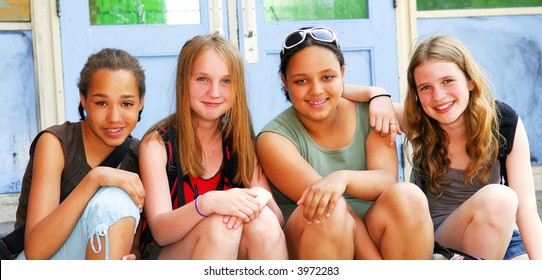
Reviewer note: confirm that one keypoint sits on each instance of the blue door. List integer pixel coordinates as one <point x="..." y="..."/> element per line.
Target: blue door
<point x="369" y="45"/>
<point x="366" y="36"/>
<point x="155" y="45"/>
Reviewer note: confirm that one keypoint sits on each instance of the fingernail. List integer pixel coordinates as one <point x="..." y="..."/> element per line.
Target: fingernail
<point x="317" y="221"/>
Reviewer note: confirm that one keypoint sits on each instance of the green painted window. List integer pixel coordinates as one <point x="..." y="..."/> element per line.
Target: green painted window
<point x="122" y="12"/>
<point x="297" y="10"/>
<point x="427" y="5"/>
<point x="14" y="10"/>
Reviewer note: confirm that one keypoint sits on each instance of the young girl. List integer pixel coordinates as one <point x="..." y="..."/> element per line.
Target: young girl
<point x="456" y="129"/>
<point x="207" y="197"/>
<point x="335" y="177"/>
<point x="452" y="120"/>
<point x="100" y="212"/>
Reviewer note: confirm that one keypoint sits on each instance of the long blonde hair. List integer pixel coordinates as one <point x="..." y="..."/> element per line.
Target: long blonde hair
<point x="429" y="141"/>
<point x="236" y="122"/>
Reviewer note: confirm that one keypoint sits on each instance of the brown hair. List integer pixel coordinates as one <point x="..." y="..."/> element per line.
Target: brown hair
<point x="236" y="122"/>
<point x="429" y="141"/>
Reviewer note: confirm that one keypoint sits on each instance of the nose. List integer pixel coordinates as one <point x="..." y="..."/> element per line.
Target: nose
<point x="439" y="93"/>
<point x="317" y="88"/>
<point x="214" y="90"/>
<point x="114" y="114"/>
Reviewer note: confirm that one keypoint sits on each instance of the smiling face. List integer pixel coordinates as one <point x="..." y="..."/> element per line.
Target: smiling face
<point x="210" y="86"/>
<point x="314" y="82"/>
<point x="443" y="90"/>
<point x="112" y="104"/>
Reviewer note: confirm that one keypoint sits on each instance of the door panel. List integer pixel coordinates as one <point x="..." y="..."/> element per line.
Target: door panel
<point x="156" y="46"/>
<point x="369" y="46"/>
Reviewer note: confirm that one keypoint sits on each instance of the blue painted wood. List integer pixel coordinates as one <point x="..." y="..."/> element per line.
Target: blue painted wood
<point x="369" y="46"/>
<point x="18" y="116"/>
<point x="156" y="46"/>
<point x="509" y="48"/>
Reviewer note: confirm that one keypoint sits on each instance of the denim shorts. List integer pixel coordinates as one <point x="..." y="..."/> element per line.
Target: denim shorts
<point x="515" y="248"/>
<point x="108" y="206"/>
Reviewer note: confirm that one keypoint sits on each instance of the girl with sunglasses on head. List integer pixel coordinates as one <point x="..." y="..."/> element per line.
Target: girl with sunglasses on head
<point x="345" y="202"/>
<point x="100" y="212"/>
<point x="466" y="148"/>
<point x="207" y="197"/>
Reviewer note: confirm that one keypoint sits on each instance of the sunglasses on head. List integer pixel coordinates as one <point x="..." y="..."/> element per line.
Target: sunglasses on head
<point x="322" y="34"/>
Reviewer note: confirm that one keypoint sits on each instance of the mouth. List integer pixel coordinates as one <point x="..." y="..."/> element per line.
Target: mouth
<point x="444" y="106"/>
<point x="212" y="104"/>
<point x="113" y="131"/>
<point x="317" y="102"/>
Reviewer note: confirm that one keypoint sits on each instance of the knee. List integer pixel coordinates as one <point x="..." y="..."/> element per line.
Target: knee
<point x="335" y="226"/>
<point x="113" y="199"/>
<point x="406" y="200"/>
<point x="263" y="231"/>
<point x="218" y="233"/>
<point x="499" y="204"/>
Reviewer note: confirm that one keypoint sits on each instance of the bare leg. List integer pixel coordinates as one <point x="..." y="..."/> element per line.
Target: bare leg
<point x="400" y="224"/>
<point x="210" y="239"/>
<point x="333" y="238"/>
<point x="482" y="226"/>
<point x="263" y="239"/>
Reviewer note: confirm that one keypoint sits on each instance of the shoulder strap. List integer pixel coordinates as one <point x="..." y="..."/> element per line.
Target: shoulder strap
<point x="508" y="120"/>
<point x="116" y="156"/>
<point x="14" y="241"/>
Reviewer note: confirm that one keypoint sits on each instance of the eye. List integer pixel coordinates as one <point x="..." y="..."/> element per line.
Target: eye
<point x="424" y="88"/>
<point x="448" y="81"/>
<point x="202" y="79"/>
<point x="127" y="104"/>
<point x="226" y="81"/>
<point x="100" y="103"/>
<point x="300" y="81"/>
<point x="327" y="77"/>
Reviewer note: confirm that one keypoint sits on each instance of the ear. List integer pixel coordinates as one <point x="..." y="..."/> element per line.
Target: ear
<point x="83" y="100"/>
<point x="343" y="69"/>
<point x="141" y="103"/>
<point x="470" y="85"/>
<point x="283" y="78"/>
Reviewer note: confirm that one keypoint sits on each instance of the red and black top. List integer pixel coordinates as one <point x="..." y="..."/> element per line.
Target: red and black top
<point x="191" y="186"/>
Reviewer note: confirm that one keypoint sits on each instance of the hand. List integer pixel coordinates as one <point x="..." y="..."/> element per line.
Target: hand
<point x="241" y="203"/>
<point x="383" y="118"/>
<point x="263" y="196"/>
<point x="129" y="257"/>
<point x="126" y="180"/>
<point x="321" y="197"/>
<point x="232" y="222"/>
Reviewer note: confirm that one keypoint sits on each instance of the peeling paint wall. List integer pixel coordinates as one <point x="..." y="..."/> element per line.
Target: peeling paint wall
<point x="18" y="117"/>
<point x="509" y="48"/>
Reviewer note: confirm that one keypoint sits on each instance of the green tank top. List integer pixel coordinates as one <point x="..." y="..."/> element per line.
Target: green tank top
<point x="324" y="161"/>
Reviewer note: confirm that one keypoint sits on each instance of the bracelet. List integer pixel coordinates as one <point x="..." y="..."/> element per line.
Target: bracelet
<point x="197" y="208"/>
<point x="379" y="95"/>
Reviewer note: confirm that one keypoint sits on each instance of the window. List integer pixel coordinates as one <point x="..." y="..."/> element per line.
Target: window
<point x="14" y="10"/>
<point x="427" y="5"/>
<point x="287" y="10"/>
<point x="122" y="12"/>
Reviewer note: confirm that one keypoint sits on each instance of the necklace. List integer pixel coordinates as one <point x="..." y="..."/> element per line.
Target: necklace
<point x="205" y="160"/>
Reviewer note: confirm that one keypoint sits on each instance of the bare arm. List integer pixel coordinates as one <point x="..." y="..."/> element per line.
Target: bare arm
<point x="164" y="222"/>
<point x="261" y="185"/>
<point x="382" y="114"/>
<point x="282" y="162"/>
<point x="50" y="223"/>
<point x="518" y="166"/>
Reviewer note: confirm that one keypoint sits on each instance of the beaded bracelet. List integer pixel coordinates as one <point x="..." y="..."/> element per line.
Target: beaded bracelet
<point x="379" y="95"/>
<point x="197" y="208"/>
